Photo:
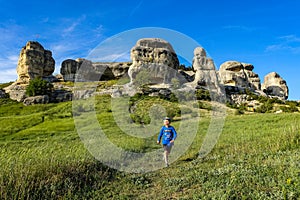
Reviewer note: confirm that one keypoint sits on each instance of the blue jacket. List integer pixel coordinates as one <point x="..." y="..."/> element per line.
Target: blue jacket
<point x="167" y="134"/>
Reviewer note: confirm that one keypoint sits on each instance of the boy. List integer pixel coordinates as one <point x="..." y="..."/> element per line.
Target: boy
<point x="168" y="135"/>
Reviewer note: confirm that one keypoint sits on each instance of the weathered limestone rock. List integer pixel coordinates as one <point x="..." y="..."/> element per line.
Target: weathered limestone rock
<point x="43" y="99"/>
<point x="85" y="70"/>
<point x="34" y="61"/>
<point x="233" y="73"/>
<point x="206" y="75"/>
<point x="156" y="59"/>
<point x="16" y="92"/>
<point x="69" y="69"/>
<point x="2" y="94"/>
<point x="274" y="85"/>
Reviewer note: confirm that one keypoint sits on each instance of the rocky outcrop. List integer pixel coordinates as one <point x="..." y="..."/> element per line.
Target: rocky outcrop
<point x="2" y="94"/>
<point x="234" y="73"/>
<point x="69" y="69"/>
<point x="85" y="70"/>
<point x="34" y="62"/>
<point x="16" y="92"/>
<point x="205" y="69"/>
<point x="274" y="85"/>
<point x="43" y="99"/>
<point x="156" y="59"/>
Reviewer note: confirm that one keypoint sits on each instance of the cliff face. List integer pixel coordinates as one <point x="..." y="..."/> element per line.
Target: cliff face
<point x="84" y="70"/>
<point x="34" y="61"/>
<point x="155" y="57"/>
<point x="274" y="85"/>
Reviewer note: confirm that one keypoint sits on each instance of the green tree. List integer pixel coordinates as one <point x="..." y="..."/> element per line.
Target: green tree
<point x="38" y="86"/>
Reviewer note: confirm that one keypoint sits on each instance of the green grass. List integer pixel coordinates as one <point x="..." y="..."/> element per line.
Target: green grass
<point x="256" y="157"/>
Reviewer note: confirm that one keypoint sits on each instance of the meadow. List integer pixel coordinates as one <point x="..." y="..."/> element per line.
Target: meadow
<point x="42" y="157"/>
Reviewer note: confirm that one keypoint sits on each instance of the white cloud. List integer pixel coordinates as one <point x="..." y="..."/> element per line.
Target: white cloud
<point x="290" y="38"/>
<point x="66" y="38"/>
<point x="71" y="28"/>
<point x="290" y="43"/>
<point x="9" y="61"/>
<point x="8" y="75"/>
<point x="239" y="28"/>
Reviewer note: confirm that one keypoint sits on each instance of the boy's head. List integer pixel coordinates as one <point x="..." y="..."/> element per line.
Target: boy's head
<point x="167" y="121"/>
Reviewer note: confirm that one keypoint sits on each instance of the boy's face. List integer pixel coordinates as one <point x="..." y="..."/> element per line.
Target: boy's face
<point x="166" y="122"/>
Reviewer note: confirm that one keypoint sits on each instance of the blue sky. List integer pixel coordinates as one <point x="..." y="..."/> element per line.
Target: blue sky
<point x="263" y="33"/>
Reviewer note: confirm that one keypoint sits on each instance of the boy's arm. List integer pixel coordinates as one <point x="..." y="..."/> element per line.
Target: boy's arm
<point x="160" y="135"/>
<point x="174" y="134"/>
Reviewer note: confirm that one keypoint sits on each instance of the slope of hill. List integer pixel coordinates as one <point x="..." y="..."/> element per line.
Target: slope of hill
<point x="42" y="157"/>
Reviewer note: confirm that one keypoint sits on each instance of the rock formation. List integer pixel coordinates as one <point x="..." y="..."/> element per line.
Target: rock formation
<point x="85" y="70"/>
<point x="274" y="85"/>
<point x="233" y="73"/>
<point x="43" y="99"/>
<point x="205" y="69"/>
<point x="156" y="59"/>
<point x="154" y="63"/>
<point x="2" y="94"/>
<point x="34" y="61"/>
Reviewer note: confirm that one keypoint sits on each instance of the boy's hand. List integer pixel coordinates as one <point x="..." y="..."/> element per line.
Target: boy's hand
<point x="172" y="141"/>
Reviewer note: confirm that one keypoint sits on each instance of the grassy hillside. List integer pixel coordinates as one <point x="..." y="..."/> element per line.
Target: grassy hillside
<point x="42" y="157"/>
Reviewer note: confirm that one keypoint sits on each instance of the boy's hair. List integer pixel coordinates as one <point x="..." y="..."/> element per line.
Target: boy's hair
<point x="167" y="118"/>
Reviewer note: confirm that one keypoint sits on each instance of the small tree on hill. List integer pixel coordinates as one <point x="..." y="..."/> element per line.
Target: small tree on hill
<point x="38" y="86"/>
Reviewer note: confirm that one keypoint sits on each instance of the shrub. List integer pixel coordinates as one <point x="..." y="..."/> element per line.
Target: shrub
<point x="194" y="114"/>
<point x="202" y="94"/>
<point x="38" y="86"/>
<point x="185" y="110"/>
<point x="289" y="109"/>
<point x="176" y="83"/>
<point x="265" y="107"/>
<point x="231" y="105"/>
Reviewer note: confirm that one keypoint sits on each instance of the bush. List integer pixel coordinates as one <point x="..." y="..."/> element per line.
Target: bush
<point x="186" y="110"/>
<point x="202" y="94"/>
<point x="194" y="114"/>
<point x="289" y="109"/>
<point x="265" y="107"/>
<point x="176" y="83"/>
<point x="38" y="86"/>
<point x="204" y="105"/>
<point x="231" y="105"/>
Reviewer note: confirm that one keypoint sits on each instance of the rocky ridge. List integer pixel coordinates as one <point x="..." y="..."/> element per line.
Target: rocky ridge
<point x="157" y="58"/>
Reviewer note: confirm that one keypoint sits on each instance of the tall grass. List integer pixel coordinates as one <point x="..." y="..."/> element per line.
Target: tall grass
<point x="256" y="157"/>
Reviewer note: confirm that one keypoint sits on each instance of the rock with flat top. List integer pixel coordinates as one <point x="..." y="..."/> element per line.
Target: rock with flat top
<point x="154" y="59"/>
<point x="238" y="74"/>
<point x="276" y="86"/>
<point x="34" y="62"/>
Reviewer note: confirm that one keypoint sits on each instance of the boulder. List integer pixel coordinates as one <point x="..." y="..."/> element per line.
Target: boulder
<point x="34" y="62"/>
<point x="69" y="69"/>
<point x="43" y="99"/>
<point x="153" y="59"/>
<point x="274" y="85"/>
<point x="16" y="92"/>
<point x="61" y="96"/>
<point x="234" y="73"/>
